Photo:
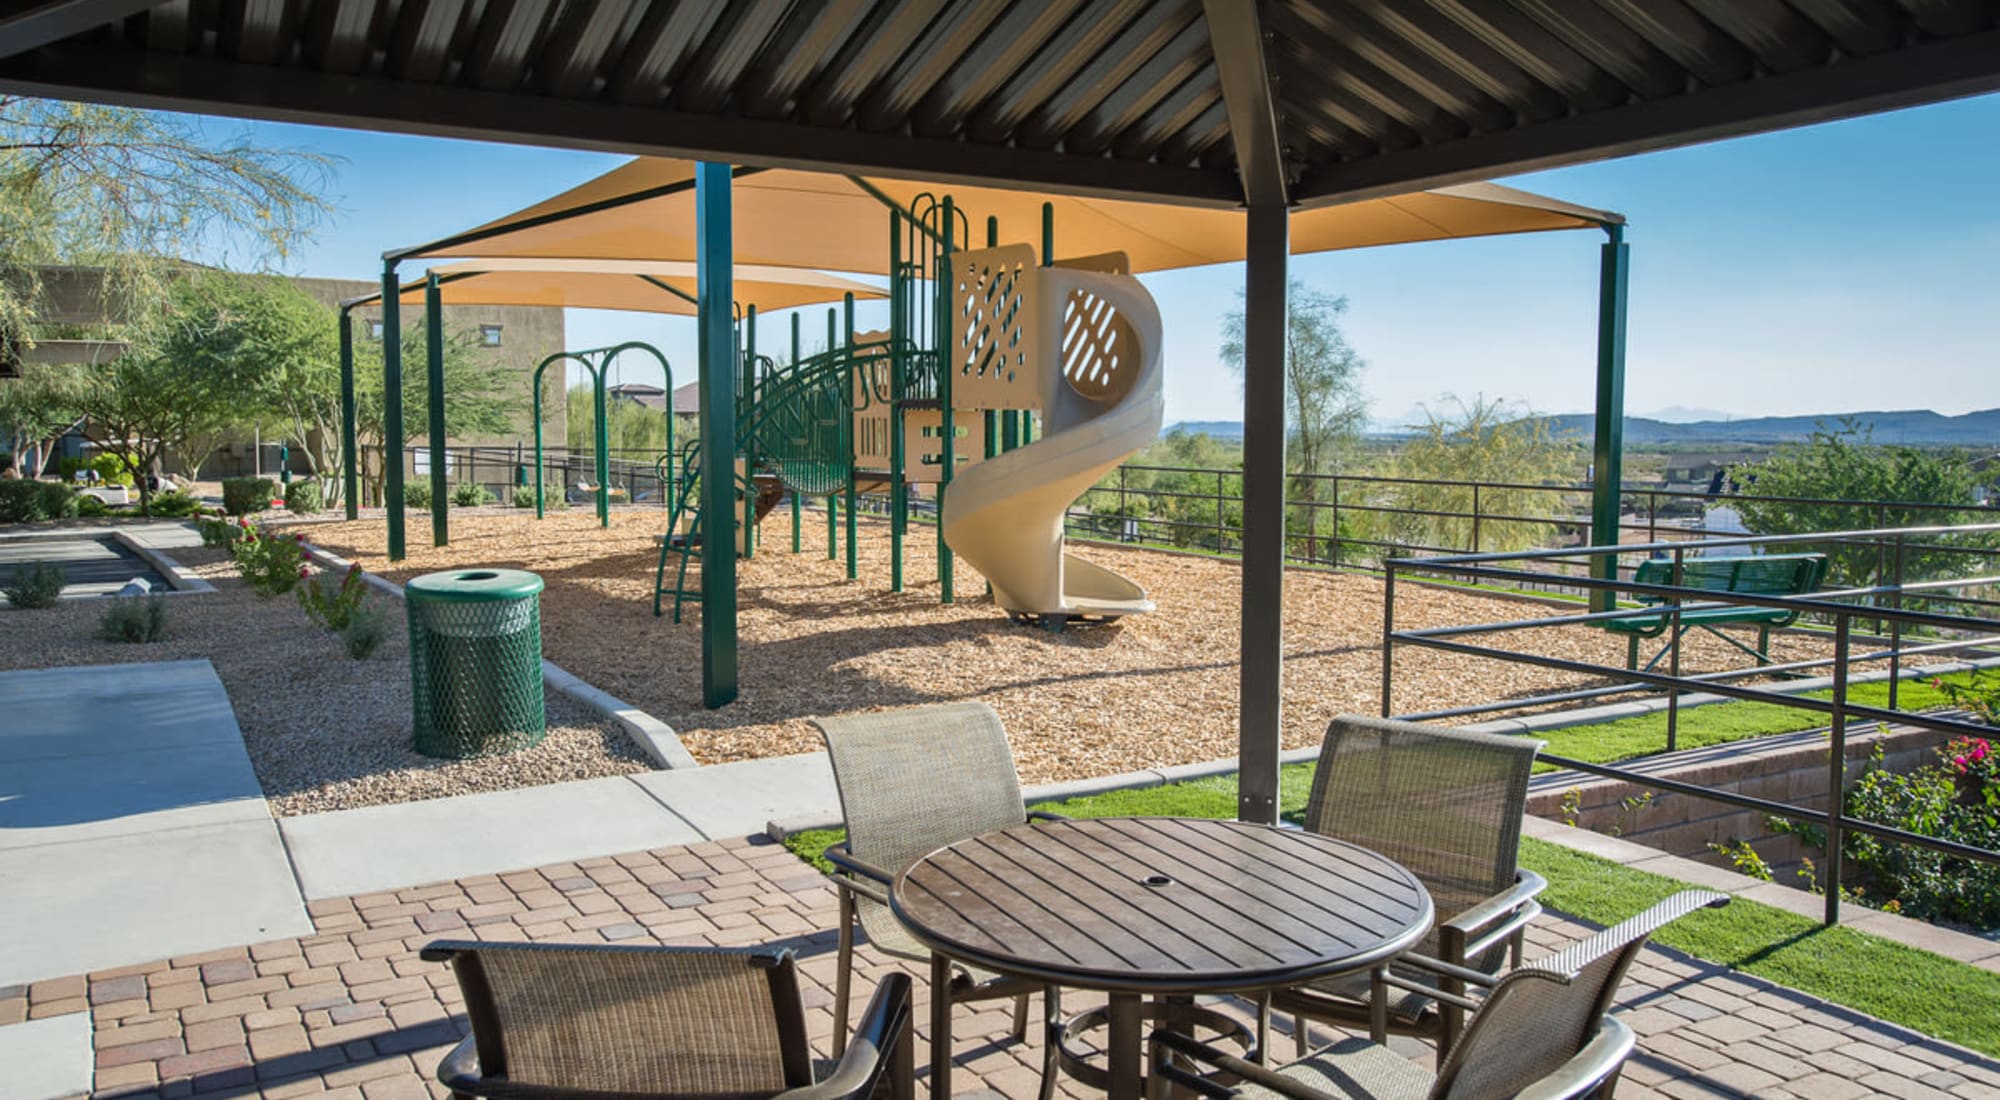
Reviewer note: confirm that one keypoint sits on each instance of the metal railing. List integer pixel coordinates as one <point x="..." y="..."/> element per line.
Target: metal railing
<point x="1954" y="614"/>
<point x="501" y="470"/>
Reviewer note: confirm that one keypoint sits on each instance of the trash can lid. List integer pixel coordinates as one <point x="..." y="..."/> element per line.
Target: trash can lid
<point x="474" y="585"/>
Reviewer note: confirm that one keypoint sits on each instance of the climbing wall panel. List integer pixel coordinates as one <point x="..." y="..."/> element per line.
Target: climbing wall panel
<point x="993" y="324"/>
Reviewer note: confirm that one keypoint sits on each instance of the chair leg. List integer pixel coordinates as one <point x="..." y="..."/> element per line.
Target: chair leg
<point x="903" y="1063"/>
<point x="1021" y="1018"/>
<point x="1263" y="1029"/>
<point x="1052" y="1023"/>
<point x="843" y="980"/>
<point x="1299" y="1035"/>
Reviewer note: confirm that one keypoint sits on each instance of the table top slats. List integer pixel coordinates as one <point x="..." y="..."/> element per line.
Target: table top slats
<point x="1109" y="912"/>
<point x="1162" y="904"/>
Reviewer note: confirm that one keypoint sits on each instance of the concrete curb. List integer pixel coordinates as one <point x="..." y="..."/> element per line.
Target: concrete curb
<point x="654" y="737"/>
<point x="177" y="575"/>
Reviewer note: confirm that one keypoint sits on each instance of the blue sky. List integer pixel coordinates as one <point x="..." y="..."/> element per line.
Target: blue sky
<point x="1848" y="266"/>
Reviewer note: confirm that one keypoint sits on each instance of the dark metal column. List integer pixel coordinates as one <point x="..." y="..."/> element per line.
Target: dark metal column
<point x="716" y="347"/>
<point x="1608" y="456"/>
<point x="1261" y="676"/>
<point x="350" y="481"/>
<point x="434" y="346"/>
<point x="392" y="407"/>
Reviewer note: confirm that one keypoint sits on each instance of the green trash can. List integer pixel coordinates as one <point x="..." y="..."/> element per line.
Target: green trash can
<point x="476" y="661"/>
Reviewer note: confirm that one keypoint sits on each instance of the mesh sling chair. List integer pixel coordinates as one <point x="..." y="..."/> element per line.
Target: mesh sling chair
<point x="1544" y="1032"/>
<point x="912" y="781"/>
<point x="562" y="1020"/>
<point x="1447" y="805"/>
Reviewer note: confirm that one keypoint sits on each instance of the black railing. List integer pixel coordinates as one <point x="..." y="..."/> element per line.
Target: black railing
<point x="1945" y="615"/>
<point x="635" y="475"/>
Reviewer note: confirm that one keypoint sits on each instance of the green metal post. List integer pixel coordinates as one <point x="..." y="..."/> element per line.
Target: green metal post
<point x="832" y="500"/>
<point x="538" y="432"/>
<point x="832" y="526"/>
<point x="947" y="445"/>
<point x="750" y="440"/>
<point x="602" y="439"/>
<point x="714" y="247"/>
<point x="899" y="486"/>
<point x="1048" y="233"/>
<point x="392" y="406"/>
<point x="793" y="493"/>
<point x="434" y="348"/>
<point x="350" y="479"/>
<point x="853" y="494"/>
<point x="1608" y="458"/>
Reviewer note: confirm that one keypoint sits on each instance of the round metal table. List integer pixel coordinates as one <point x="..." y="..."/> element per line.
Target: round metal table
<point x="1161" y="907"/>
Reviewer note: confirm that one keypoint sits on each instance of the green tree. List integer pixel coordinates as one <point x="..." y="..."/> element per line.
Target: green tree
<point x="35" y="409"/>
<point x="1326" y="410"/>
<point x="1882" y="485"/>
<point x="481" y="397"/>
<point x="133" y="191"/>
<point x="1488" y="442"/>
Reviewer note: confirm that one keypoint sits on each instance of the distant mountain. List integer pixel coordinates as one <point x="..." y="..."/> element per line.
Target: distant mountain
<point x="1219" y="429"/>
<point x="1918" y="427"/>
<point x="1681" y="414"/>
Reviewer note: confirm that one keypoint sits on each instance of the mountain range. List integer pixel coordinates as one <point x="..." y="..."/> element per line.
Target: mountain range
<point x="1917" y="427"/>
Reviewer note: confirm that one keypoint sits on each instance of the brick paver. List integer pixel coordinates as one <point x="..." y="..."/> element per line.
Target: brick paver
<point x="351" y="1012"/>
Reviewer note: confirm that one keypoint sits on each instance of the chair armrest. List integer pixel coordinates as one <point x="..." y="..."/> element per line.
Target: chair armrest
<point x="1589" y="1069"/>
<point x="459" y="1071"/>
<point x="858" y="875"/>
<point x="885" y="1024"/>
<point x="1527" y="886"/>
<point x="1165" y="1044"/>
<point x="1044" y="815"/>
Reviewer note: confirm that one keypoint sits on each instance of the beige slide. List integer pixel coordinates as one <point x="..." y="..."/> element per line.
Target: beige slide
<point x="1099" y="382"/>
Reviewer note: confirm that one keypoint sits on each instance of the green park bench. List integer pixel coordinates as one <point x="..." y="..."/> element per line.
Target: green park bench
<point x="1742" y="575"/>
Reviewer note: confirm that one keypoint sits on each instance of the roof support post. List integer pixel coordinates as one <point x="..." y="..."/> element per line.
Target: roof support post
<point x="716" y="349"/>
<point x="1608" y="454"/>
<point x="434" y="391"/>
<point x="392" y="406"/>
<point x="350" y="488"/>
<point x="1261" y="676"/>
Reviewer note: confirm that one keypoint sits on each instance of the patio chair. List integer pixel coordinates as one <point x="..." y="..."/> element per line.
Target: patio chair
<point x="912" y="781"/>
<point x="1545" y="1032"/>
<point x="607" y="1021"/>
<point x="1447" y="804"/>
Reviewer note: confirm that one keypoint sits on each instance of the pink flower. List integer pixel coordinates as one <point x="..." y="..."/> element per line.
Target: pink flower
<point x="1958" y="762"/>
<point x="304" y="572"/>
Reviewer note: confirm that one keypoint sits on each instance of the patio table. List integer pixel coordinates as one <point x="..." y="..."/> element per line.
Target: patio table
<point x="1162" y="907"/>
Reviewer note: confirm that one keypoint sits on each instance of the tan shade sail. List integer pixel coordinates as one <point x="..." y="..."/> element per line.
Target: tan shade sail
<point x="643" y="286"/>
<point x="644" y="210"/>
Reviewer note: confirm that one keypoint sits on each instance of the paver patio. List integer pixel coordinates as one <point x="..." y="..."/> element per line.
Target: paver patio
<point x="352" y="1012"/>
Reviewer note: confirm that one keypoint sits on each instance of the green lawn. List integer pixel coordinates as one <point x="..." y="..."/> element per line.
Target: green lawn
<point x="1925" y="992"/>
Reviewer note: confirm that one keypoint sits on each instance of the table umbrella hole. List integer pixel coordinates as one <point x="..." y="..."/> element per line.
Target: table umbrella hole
<point x="1157" y="880"/>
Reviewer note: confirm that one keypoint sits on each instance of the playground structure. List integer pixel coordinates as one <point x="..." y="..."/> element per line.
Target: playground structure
<point x="980" y="343"/>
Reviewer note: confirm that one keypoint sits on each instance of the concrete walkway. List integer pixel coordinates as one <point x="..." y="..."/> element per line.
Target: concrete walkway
<point x="131" y="822"/>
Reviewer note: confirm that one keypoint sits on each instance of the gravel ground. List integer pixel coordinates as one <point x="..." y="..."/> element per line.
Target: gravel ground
<point x="1149" y="690"/>
<point x="325" y="732"/>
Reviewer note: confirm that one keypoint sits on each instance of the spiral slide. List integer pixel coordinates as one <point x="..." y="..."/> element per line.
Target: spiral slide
<point x="1098" y="360"/>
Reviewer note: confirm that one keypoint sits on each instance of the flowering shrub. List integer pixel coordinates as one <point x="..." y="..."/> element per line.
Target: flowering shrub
<point x="271" y="564"/>
<point x="219" y="532"/>
<point x="1981" y="696"/>
<point x="331" y="603"/>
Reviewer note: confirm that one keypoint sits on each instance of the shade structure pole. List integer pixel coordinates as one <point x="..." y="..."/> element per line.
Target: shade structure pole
<point x="716" y="349"/>
<point x="434" y="389"/>
<point x="1608" y="454"/>
<point x="749" y="399"/>
<point x="350" y="480"/>
<point x="392" y="407"/>
<point x="853" y="491"/>
<point x="1261" y="677"/>
<point x="601" y="438"/>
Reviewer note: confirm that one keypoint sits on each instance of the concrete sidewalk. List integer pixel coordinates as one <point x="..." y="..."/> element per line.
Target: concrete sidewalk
<point x="131" y="822"/>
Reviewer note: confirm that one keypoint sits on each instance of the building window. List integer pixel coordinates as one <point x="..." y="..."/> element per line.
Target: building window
<point x="375" y="329"/>
<point x="489" y="336"/>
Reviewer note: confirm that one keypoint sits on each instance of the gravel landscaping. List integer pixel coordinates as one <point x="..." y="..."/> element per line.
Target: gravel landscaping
<point x="1151" y="690"/>
<point x="325" y="732"/>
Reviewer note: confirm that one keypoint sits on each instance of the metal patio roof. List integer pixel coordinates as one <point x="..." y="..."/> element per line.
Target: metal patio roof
<point x="1324" y="100"/>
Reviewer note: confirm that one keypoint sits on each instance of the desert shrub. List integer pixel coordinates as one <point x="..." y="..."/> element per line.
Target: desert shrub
<point x="173" y="503"/>
<point x="470" y="494"/>
<point x="304" y="498"/>
<point x="134" y="619"/>
<point x="244" y="495"/>
<point x="20" y="501"/>
<point x="90" y="507"/>
<point x="219" y="532"/>
<point x="417" y="494"/>
<point x="524" y="496"/>
<point x="366" y="630"/>
<point x="271" y="564"/>
<point x="332" y="601"/>
<point x="36" y="584"/>
<point x="58" y="501"/>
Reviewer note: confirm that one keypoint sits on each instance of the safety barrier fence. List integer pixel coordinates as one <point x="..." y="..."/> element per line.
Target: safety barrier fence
<point x="1950" y="612"/>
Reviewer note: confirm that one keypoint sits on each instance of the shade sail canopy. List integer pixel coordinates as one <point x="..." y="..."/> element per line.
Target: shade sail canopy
<point x="643" y="286"/>
<point x="644" y="210"/>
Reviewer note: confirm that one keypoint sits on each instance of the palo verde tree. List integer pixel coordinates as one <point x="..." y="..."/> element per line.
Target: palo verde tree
<point x="481" y="397"/>
<point x="1499" y="446"/>
<point x="1841" y="480"/>
<point x="135" y="192"/>
<point x="1326" y="410"/>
